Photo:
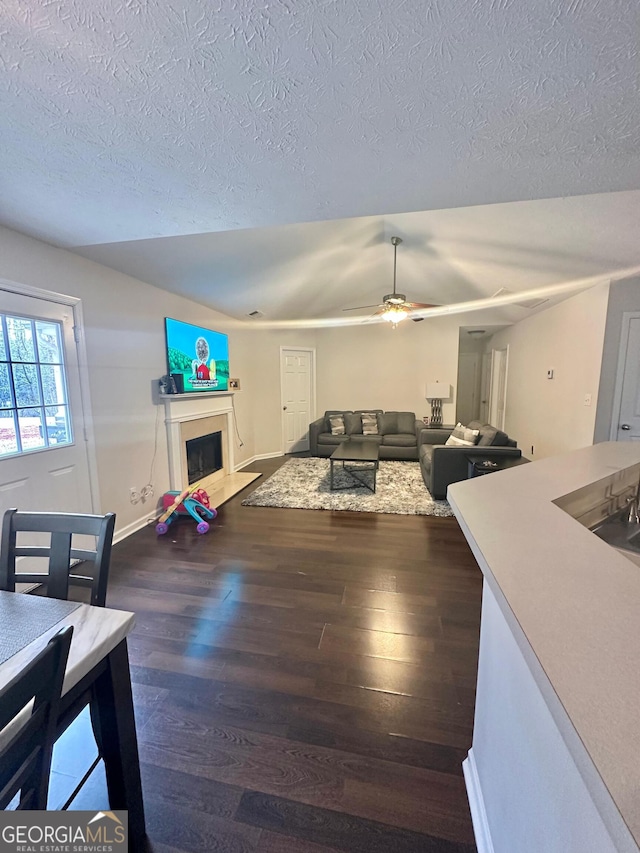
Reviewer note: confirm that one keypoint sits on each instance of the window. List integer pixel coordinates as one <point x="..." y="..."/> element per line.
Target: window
<point x="34" y="409"/>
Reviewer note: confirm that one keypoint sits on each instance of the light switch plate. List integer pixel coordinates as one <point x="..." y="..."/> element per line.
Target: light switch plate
<point x="550" y="373"/>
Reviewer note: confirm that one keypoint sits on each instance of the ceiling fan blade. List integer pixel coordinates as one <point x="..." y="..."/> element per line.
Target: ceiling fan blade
<point x="360" y="307"/>
<point x="419" y="305"/>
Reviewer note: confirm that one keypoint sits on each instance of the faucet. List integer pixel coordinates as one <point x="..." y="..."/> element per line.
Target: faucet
<point x="633" y="516"/>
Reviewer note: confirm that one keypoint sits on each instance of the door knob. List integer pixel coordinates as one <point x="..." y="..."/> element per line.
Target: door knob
<point x="284" y="409"/>
<point x="625" y="426"/>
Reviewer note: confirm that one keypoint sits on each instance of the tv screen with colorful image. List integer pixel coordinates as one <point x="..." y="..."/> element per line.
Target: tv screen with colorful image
<point x="200" y="355"/>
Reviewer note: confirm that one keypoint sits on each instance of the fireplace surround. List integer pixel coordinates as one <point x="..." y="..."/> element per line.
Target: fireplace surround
<point x="189" y="417"/>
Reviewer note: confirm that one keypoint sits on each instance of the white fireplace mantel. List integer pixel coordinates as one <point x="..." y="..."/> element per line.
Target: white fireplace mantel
<point x="180" y="408"/>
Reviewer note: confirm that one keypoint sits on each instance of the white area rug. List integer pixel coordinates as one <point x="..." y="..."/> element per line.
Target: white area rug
<point x="303" y="483"/>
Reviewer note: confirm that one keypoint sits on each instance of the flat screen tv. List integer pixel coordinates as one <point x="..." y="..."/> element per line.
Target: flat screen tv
<point x="199" y="355"/>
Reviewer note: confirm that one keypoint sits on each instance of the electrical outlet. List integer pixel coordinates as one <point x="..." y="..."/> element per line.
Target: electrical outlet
<point x="587" y="399"/>
<point x="146" y="491"/>
<point x="134" y="495"/>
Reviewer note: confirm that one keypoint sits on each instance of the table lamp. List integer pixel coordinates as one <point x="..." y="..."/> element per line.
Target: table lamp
<point x="437" y="392"/>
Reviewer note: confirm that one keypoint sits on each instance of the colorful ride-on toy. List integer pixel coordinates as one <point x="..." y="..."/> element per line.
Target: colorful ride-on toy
<point x="194" y="503"/>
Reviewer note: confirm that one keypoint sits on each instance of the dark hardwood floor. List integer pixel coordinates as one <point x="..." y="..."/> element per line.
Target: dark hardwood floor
<point x="304" y="680"/>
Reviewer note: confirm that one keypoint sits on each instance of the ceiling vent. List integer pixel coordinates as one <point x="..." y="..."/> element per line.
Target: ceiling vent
<point x="255" y="315"/>
<point x="526" y="303"/>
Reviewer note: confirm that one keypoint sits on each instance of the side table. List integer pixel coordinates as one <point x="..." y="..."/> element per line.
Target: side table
<point x="439" y="426"/>
<point x="480" y="465"/>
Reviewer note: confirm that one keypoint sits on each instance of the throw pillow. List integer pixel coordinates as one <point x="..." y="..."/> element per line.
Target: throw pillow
<point x="352" y="423"/>
<point x="369" y="423"/>
<point x="336" y="422"/>
<point x="462" y="436"/>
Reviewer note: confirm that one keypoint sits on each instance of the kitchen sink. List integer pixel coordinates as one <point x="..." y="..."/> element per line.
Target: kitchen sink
<point x="622" y="530"/>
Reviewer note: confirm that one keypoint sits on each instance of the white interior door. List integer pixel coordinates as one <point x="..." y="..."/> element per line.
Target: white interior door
<point x="467" y="403"/>
<point x="626" y="419"/>
<point x="298" y="403"/>
<point x="45" y="466"/>
<point x="499" y="364"/>
<point x="485" y="388"/>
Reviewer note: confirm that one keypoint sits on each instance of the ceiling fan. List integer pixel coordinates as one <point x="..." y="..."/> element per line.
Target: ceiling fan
<point x="394" y="306"/>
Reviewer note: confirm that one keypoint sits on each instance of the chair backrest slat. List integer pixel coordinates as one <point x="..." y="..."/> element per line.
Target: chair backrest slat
<point x="61" y="526"/>
<point x="59" y="565"/>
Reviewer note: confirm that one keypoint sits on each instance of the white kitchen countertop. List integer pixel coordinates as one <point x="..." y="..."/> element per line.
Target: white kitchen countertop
<point x="577" y="602"/>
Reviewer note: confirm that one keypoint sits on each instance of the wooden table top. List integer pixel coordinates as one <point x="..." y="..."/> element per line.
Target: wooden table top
<point x="96" y="632"/>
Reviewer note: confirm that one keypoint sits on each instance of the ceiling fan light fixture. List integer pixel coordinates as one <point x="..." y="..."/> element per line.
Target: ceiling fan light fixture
<point x="395" y="314"/>
<point x="394" y="307"/>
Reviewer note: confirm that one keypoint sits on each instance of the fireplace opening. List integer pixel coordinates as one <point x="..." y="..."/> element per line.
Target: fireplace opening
<point x="204" y="456"/>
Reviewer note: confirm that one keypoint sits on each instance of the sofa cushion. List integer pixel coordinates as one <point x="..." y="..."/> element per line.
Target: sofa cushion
<point x="463" y="436"/>
<point x="376" y="438"/>
<point x="353" y="423"/>
<point x="426" y="452"/>
<point x="327" y="438"/>
<point x="369" y="423"/>
<point x="336" y="422"/>
<point x="487" y="436"/>
<point x="400" y="439"/>
<point x="388" y="423"/>
<point x="407" y="422"/>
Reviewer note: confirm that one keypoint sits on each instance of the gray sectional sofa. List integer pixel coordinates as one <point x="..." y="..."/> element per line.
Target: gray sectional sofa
<point x="442" y="465"/>
<point x="398" y="433"/>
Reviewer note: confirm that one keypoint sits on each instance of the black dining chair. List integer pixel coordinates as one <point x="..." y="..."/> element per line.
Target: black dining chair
<point x="60" y="554"/>
<point x="25" y="761"/>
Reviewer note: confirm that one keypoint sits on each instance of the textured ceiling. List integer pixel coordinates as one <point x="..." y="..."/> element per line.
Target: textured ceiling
<point x="130" y="119"/>
<point x="314" y="270"/>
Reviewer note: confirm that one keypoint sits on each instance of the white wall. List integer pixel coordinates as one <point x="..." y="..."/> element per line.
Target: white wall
<point x="550" y="414"/>
<point x="264" y="384"/>
<point x="124" y="330"/>
<point x="385" y="368"/>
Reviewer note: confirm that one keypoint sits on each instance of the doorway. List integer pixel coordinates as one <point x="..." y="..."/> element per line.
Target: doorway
<point x="498" y="392"/>
<point x="45" y="453"/>
<point x="625" y="421"/>
<point x="485" y="387"/>
<point x="468" y="396"/>
<point x="297" y="383"/>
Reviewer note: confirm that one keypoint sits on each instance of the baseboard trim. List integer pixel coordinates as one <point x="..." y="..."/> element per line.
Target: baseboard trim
<point x="476" y="804"/>
<point x="257" y="458"/>
<point x="130" y="529"/>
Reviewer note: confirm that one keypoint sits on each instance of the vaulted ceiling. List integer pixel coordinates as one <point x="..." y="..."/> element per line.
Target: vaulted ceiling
<point x="127" y="126"/>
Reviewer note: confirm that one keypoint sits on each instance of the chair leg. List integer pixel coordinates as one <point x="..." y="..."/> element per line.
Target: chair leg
<point x="95" y="723"/>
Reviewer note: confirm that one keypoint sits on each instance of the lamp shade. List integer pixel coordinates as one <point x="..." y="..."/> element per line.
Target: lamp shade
<point x="438" y="391"/>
